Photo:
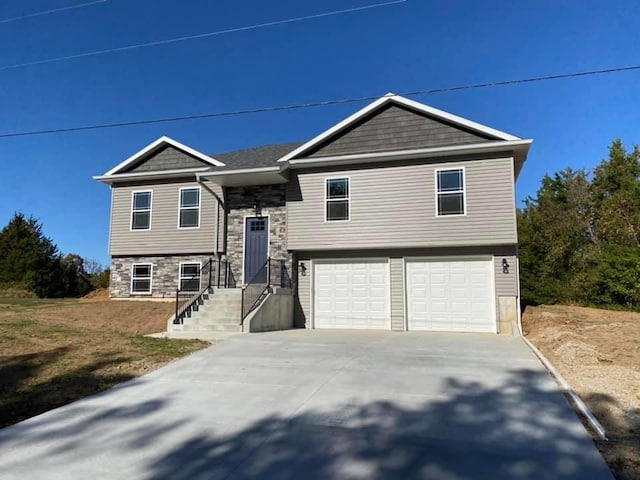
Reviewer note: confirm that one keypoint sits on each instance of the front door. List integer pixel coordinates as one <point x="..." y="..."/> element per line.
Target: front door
<point x="256" y="248"/>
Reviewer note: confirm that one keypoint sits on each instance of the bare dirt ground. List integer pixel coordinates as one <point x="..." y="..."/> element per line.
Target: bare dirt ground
<point x="53" y="352"/>
<point x="598" y="353"/>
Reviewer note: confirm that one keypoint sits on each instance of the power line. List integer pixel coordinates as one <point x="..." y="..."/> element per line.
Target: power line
<point x="49" y="12"/>
<point x="200" y="35"/>
<point x="320" y="104"/>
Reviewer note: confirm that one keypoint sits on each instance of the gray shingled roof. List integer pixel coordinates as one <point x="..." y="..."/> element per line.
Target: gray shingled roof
<point x="264" y="156"/>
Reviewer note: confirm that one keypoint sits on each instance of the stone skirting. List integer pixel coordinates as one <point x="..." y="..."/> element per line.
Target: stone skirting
<point x="240" y="203"/>
<point x="165" y="274"/>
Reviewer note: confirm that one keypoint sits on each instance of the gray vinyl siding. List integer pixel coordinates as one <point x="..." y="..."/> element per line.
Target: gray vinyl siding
<point x="164" y="237"/>
<point x="169" y="158"/>
<point x="506" y="283"/>
<point x="396" y="269"/>
<point x="395" y="206"/>
<point x="396" y="128"/>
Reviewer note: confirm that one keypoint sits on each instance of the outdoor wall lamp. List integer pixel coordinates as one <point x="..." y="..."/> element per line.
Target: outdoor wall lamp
<point x="505" y="266"/>
<point x="303" y="269"/>
<point x="257" y="208"/>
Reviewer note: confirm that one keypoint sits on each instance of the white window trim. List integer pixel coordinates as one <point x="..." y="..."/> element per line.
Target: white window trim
<point x="180" y="277"/>
<point x="463" y="191"/>
<point x="133" y="194"/>
<point x="327" y="200"/>
<point x="180" y="208"/>
<point x="133" y="265"/>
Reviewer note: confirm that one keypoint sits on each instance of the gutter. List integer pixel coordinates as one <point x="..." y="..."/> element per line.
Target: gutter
<point x="566" y="389"/>
<point x="519" y="145"/>
<point x="184" y="172"/>
<point x="214" y="173"/>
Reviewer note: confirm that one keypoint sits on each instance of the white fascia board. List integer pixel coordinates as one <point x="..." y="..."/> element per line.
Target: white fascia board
<point x="487" y="147"/>
<point x="392" y="98"/>
<point x="158" y="143"/>
<point x="239" y="171"/>
<point x="149" y="175"/>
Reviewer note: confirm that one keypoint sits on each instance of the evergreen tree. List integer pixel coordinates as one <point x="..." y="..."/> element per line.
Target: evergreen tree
<point x="28" y="257"/>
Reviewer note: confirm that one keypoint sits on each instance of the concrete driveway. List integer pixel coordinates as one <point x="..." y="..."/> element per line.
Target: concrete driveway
<point x="319" y="404"/>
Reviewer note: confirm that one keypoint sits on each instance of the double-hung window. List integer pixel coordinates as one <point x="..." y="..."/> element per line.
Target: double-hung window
<point x="141" y="278"/>
<point x="141" y="210"/>
<point x="450" y="191"/>
<point x="337" y="199"/>
<point x="189" y="208"/>
<point x="190" y="277"/>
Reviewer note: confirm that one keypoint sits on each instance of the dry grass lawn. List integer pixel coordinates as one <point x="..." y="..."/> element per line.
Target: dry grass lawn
<point x="53" y="352"/>
<point x="598" y="353"/>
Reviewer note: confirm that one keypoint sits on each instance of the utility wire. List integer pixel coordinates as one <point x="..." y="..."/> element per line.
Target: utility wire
<point x="49" y="12"/>
<point x="193" y="37"/>
<point x="321" y="104"/>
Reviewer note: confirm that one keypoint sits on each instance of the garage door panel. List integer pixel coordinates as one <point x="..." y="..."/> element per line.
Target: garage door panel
<point x="450" y="295"/>
<point x="352" y="294"/>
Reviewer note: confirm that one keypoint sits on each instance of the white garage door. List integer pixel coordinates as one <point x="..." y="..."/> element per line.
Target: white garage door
<point x="351" y="294"/>
<point x="451" y="295"/>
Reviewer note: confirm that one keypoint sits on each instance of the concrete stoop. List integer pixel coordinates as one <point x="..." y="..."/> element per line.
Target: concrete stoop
<point x="216" y="319"/>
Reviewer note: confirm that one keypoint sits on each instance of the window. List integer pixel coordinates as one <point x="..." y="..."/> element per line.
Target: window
<point x="190" y="277"/>
<point x="141" y="211"/>
<point x="141" y="278"/>
<point x="189" y="208"/>
<point x="450" y="191"/>
<point x="337" y="199"/>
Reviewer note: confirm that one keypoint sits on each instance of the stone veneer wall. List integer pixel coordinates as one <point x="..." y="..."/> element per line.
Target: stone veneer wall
<point x="165" y="274"/>
<point x="239" y="203"/>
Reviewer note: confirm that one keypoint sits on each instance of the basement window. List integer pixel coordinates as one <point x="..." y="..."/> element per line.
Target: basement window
<point x="141" y="278"/>
<point x="190" y="277"/>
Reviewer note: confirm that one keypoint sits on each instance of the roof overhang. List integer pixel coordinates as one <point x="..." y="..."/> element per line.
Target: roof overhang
<point x="391" y="98"/>
<point x="144" y="176"/>
<point x="245" y="177"/>
<point x="520" y="149"/>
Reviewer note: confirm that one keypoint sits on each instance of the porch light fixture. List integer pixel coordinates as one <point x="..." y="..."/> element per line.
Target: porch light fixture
<point x="303" y="269"/>
<point x="257" y="207"/>
<point x="505" y="266"/>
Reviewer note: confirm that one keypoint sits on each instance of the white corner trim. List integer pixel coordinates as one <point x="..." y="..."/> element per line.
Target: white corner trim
<point x="164" y="140"/>
<point x="397" y="99"/>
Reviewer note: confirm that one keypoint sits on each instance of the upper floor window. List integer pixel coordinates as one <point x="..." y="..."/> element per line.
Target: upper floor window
<point x="450" y="191"/>
<point x="141" y="210"/>
<point x="337" y="200"/>
<point x="189" y="208"/>
<point x="141" y="277"/>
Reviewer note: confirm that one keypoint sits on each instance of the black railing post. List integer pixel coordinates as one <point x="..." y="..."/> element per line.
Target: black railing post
<point x="268" y="271"/>
<point x="282" y="269"/>
<point x="175" y="319"/>
<point x="210" y="272"/>
<point x="218" y="273"/>
<point x="242" y="303"/>
<point x="226" y="274"/>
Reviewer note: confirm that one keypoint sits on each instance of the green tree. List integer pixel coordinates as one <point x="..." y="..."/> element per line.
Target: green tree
<point x="616" y="196"/>
<point x="556" y="251"/>
<point x="29" y="257"/>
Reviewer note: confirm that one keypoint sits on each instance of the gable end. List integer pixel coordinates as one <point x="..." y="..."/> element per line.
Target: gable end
<point x="397" y="127"/>
<point x="167" y="158"/>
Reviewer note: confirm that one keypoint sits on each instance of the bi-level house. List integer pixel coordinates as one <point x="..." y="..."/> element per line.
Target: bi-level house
<point x="400" y="217"/>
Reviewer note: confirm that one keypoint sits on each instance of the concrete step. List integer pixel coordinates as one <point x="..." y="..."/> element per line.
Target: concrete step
<point x="212" y="328"/>
<point x="206" y="336"/>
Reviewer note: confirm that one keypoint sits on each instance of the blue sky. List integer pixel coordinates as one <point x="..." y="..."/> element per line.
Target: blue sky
<point x="415" y="45"/>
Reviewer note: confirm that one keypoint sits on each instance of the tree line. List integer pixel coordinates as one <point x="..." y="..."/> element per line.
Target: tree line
<point x="30" y="260"/>
<point x="580" y="235"/>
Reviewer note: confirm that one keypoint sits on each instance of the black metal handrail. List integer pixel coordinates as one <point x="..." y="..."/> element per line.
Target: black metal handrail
<point x="256" y="289"/>
<point x="217" y="273"/>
